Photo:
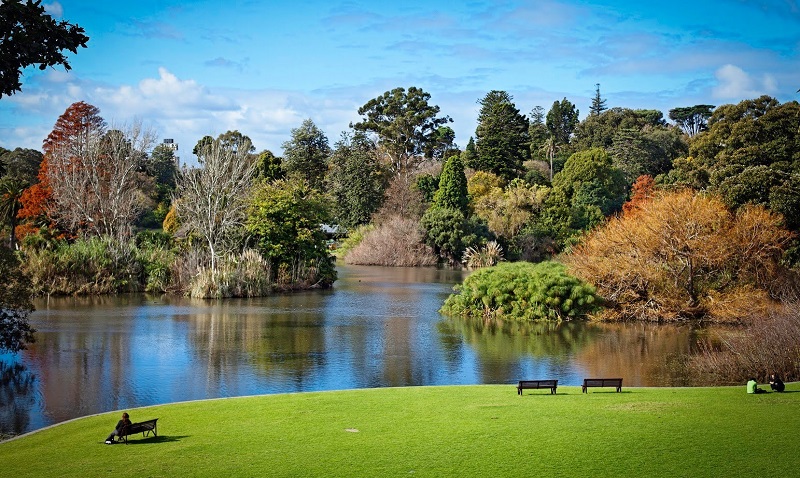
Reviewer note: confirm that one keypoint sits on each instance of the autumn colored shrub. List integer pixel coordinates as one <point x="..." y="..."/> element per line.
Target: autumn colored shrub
<point x="685" y="255"/>
<point x="522" y="291"/>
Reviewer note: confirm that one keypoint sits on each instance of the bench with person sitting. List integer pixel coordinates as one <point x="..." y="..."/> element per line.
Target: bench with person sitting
<point x="125" y="427"/>
<point x="145" y="428"/>
<point x="602" y="382"/>
<point x="536" y="384"/>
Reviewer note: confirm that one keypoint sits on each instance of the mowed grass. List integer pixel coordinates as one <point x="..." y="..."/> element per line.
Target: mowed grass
<point x="465" y="431"/>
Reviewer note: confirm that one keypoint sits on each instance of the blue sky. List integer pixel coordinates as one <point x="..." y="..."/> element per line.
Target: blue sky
<point x="194" y="68"/>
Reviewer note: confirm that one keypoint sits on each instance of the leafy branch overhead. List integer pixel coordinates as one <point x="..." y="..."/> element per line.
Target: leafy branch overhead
<point x="29" y="36"/>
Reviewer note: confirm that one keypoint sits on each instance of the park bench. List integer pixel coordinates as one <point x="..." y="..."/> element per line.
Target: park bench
<point x="523" y="384"/>
<point x="602" y="382"/>
<point x="145" y="428"/>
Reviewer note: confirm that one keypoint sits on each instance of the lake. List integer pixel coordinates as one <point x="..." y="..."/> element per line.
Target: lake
<point x="378" y="327"/>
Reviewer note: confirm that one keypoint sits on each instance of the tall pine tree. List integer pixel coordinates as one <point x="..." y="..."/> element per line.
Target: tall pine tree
<point x="501" y="138"/>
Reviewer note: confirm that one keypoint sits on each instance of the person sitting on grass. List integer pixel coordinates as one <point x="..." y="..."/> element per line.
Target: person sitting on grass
<point x="118" y="429"/>
<point x="775" y="383"/>
<point x="752" y="387"/>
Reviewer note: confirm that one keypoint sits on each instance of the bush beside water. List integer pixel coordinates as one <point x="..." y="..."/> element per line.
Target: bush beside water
<point x="522" y="291"/>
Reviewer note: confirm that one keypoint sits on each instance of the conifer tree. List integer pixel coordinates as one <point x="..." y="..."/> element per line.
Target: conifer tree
<point x="598" y="103"/>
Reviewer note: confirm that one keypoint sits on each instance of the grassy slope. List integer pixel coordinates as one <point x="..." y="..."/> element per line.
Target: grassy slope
<point x="436" y="431"/>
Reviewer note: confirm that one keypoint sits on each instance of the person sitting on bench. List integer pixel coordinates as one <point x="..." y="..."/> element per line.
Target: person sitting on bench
<point x="126" y="421"/>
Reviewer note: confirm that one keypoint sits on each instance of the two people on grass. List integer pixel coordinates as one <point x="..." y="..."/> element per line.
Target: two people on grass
<point x="775" y="383"/>
<point x="124" y="422"/>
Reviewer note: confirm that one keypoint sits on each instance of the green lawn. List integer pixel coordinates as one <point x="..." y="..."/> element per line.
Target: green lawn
<point x="465" y="431"/>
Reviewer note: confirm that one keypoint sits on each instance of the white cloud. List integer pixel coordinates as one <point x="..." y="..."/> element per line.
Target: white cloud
<point x="55" y="9"/>
<point x="735" y="83"/>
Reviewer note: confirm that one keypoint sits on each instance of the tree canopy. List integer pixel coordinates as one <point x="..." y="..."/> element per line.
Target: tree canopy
<point x="501" y="137"/>
<point x="406" y="126"/>
<point x="29" y="36"/>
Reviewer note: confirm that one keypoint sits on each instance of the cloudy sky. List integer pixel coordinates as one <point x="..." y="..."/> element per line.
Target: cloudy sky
<point x="194" y="68"/>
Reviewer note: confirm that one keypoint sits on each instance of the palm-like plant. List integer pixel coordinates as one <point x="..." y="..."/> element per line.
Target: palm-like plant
<point x="10" y="191"/>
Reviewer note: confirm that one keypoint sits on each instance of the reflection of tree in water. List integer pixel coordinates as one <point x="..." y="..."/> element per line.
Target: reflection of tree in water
<point x="512" y="339"/>
<point x="643" y="353"/>
<point x="17" y="388"/>
<point x="283" y="346"/>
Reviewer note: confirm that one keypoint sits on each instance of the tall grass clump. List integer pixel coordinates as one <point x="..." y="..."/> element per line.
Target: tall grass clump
<point x="396" y="241"/>
<point x="155" y="253"/>
<point x="243" y="275"/>
<point x="95" y="265"/>
<point x="522" y="291"/>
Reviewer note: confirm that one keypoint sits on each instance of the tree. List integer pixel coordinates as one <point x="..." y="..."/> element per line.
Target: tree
<point x="598" y="131"/>
<point x="284" y="217"/>
<point x="692" y="119"/>
<point x="750" y="154"/>
<point x="561" y="121"/>
<point x="452" y="192"/>
<point x="21" y="163"/>
<point x="442" y="145"/>
<point x="406" y="126"/>
<point x="598" y="103"/>
<point x="162" y="167"/>
<point x="306" y="155"/>
<point x="449" y="231"/>
<point x="501" y="138"/>
<point x="538" y="134"/>
<point x="19" y="168"/>
<point x="507" y="210"/>
<point x="685" y="255"/>
<point x="11" y="190"/>
<point x="93" y="173"/>
<point x="212" y="200"/>
<point x="15" y="305"/>
<point x="269" y="166"/>
<point x="29" y="36"/>
<point x="469" y="157"/>
<point x="356" y="180"/>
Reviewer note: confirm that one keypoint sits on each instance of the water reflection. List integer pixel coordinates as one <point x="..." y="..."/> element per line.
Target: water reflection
<point x="378" y="327"/>
<point x="17" y="389"/>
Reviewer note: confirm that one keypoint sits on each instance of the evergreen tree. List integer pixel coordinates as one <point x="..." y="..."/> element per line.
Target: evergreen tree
<point x="356" y="180"/>
<point x="452" y="192"/>
<point x="469" y="157"/>
<point x="561" y="121"/>
<point x="538" y="133"/>
<point x="598" y="103"/>
<point x="307" y="154"/>
<point x="502" y="139"/>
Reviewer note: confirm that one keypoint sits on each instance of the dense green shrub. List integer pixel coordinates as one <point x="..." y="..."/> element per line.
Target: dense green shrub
<point x="522" y="291"/>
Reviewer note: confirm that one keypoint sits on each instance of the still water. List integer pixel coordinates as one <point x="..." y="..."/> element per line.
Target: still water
<point x="378" y="327"/>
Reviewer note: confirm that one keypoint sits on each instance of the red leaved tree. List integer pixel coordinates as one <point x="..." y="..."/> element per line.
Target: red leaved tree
<point x="89" y="180"/>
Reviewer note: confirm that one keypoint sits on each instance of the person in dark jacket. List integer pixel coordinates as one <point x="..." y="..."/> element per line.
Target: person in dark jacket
<point x="775" y="383"/>
<point x="118" y="429"/>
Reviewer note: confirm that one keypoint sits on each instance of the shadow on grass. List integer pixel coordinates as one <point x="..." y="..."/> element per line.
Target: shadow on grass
<point x="153" y="440"/>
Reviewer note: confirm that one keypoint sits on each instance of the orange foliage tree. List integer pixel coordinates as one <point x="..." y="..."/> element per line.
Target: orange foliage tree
<point x="88" y="179"/>
<point x="35" y="202"/>
<point x="685" y="255"/>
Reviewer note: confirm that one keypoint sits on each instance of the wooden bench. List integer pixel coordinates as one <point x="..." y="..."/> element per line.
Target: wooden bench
<point x="145" y="428"/>
<point x="551" y="384"/>
<point x="602" y="382"/>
